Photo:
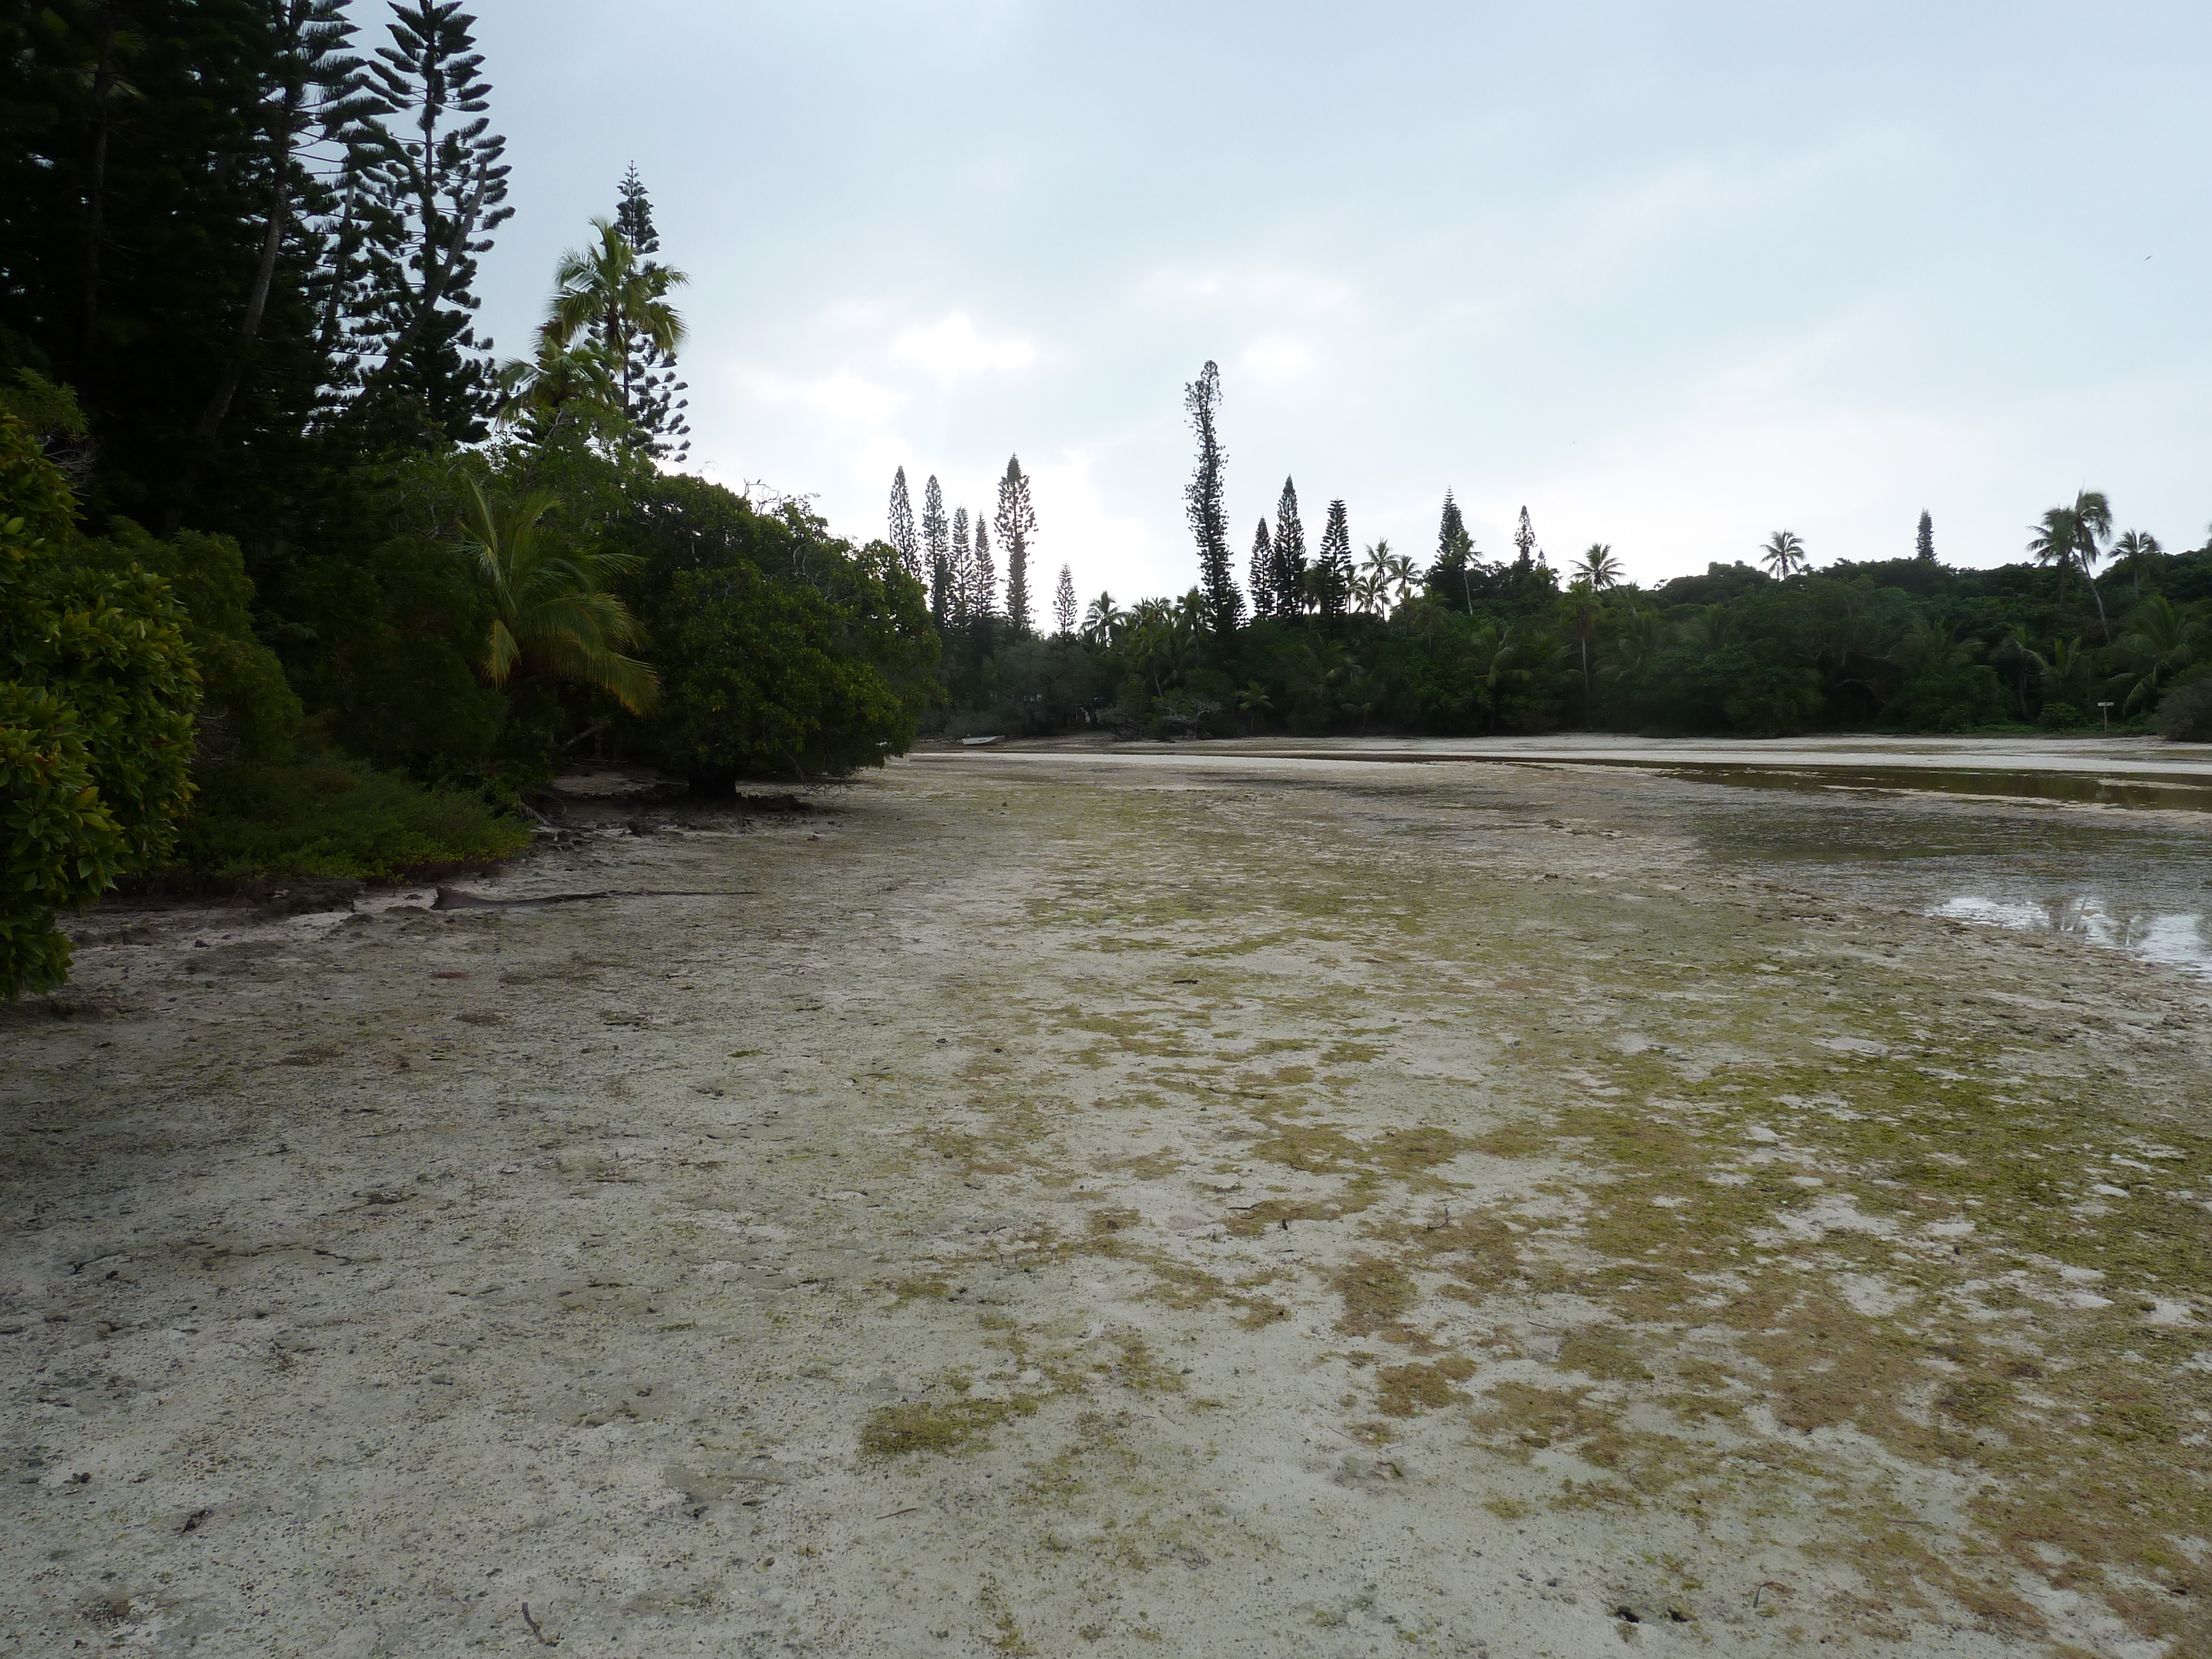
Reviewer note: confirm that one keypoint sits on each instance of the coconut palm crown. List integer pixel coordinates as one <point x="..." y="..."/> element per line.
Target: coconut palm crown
<point x="551" y="613"/>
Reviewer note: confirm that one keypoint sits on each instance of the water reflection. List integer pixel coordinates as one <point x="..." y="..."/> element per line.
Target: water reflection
<point x="2177" y="938"/>
<point x="2123" y="881"/>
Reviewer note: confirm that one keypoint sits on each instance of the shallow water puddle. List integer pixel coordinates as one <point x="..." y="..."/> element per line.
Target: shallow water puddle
<point x="2176" y="938"/>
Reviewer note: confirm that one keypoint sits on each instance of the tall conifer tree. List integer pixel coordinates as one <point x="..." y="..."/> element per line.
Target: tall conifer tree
<point x="1332" y="564"/>
<point x="904" y="536"/>
<point x="987" y="573"/>
<point x="1524" y="544"/>
<point x="1064" y="612"/>
<point x="435" y="189"/>
<point x="1261" y="572"/>
<point x="1289" y="554"/>
<point x="1454" y="545"/>
<point x="1017" y="525"/>
<point x="1451" y="575"/>
<point x="657" y="404"/>
<point x="937" y="549"/>
<point x="1925" y="543"/>
<point x="1209" y="522"/>
<point x="961" y="561"/>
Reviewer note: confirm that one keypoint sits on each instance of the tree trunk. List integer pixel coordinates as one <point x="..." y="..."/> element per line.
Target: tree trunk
<point x="95" y="226"/>
<point x="264" y="271"/>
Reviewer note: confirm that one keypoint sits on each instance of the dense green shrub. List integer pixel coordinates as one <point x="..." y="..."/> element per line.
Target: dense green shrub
<point x="2185" y="714"/>
<point x="778" y="677"/>
<point x="247" y="710"/>
<point x="97" y="694"/>
<point x="781" y="650"/>
<point x="329" y="818"/>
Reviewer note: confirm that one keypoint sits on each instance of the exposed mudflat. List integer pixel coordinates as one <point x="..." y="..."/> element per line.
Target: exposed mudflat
<point x="1212" y="1206"/>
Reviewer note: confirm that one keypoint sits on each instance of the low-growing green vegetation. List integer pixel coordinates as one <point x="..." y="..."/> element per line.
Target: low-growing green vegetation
<point x="335" y="818"/>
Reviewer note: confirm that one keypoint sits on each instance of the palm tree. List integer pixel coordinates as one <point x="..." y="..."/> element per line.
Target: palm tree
<point x="1103" y="621"/>
<point x="2092" y="528"/>
<point x="1251" y="703"/>
<point x="1928" y="647"/>
<point x="1497" y="663"/>
<point x="1581" y="615"/>
<point x="550" y="609"/>
<point x="1372" y="586"/>
<point x="2013" y="652"/>
<point x="2068" y="675"/>
<point x="1784" y="553"/>
<point x="1635" y="645"/>
<point x="2052" y="539"/>
<point x="1598" y="566"/>
<point x="2160" y="641"/>
<point x="2136" y="548"/>
<point x="604" y="289"/>
<point x="1404" y="576"/>
<point x="542" y="393"/>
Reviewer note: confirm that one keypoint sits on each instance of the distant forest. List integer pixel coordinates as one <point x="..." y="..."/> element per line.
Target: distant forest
<point x="2095" y="629"/>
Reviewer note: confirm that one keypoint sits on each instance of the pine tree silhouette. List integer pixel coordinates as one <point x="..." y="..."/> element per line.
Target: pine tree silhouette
<point x="1289" y="554"/>
<point x="904" y="536"/>
<point x="1260" y="573"/>
<point x="657" y="404"/>
<point x="1016" y="522"/>
<point x="1209" y="523"/>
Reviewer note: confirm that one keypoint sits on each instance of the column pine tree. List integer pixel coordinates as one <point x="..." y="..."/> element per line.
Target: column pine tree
<point x="1209" y="522"/>
<point x="904" y="536"/>
<point x="1332" y="564"/>
<point x="1064" y="612"/>
<point x="1261" y="572"/>
<point x="1016" y="522"/>
<point x="937" y="551"/>
<point x="434" y="189"/>
<point x="960" y="562"/>
<point x="1289" y="554"/>
<point x="657" y="404"/>
<point x="987" y="573"/>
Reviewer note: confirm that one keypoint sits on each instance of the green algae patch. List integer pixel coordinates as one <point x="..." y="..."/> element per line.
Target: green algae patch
<point x="1405" y="1390"/>
<point x="896" y="1430"/>
<point x="1377" y="1295"/>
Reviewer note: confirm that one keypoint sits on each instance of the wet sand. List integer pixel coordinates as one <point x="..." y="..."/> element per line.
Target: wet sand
<point x="1209" y="1204"/>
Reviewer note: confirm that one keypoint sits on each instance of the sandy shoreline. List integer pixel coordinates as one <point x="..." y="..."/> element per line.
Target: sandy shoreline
<point x="1041" y="1207"/>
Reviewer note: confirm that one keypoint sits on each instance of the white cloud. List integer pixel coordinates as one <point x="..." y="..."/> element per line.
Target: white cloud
<point x="953" y="345"/>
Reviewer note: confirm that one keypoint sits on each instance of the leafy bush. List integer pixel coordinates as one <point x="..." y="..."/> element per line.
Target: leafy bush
<point x="2185" y="714"/>
<point x="97" y="694"/>
<point x="325" y="818"/>
<point x="781" y="650"/>
<point x="247" y="710"/>
<point x="2060" y="717"/>
<point x="1955" y="697"/>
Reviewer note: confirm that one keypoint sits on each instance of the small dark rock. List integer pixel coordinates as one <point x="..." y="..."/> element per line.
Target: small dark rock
<point x="303" y="896"/>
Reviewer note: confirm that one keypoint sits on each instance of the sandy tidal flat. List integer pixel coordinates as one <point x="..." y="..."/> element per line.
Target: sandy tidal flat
<point x="1034" y="1206"/>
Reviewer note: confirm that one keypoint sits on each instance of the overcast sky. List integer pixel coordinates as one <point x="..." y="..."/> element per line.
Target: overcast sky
<point x="1672" y="274"/>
